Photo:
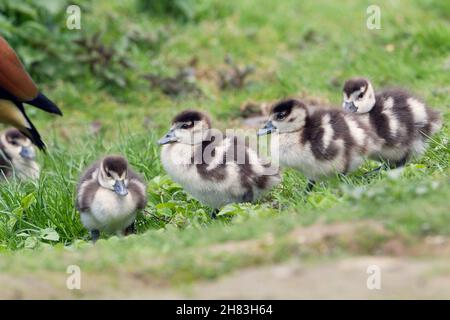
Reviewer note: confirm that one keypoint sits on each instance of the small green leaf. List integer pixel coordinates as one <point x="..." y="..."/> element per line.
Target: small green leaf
<point x="49" y="234"/>
<point x="23" y="235"/>
<point x="28" y="200"/>
<point x="230" y="209"/>
<point x="166" y="205"/>
<point x="17" y="212"/>
<point x="12" y="222"/>
<point x="31" y="242"/>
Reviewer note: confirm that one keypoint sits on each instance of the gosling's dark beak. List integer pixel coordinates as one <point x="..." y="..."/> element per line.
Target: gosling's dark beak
<point x="27" y="153"/>
<point x="350" y="107"/>
<point x="168" y="138"/>
<point x="120" y="189"/>
<point x="267" y="129"/>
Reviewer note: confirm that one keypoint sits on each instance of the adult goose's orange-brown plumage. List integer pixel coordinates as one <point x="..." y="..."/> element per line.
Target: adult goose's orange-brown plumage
<point x="16" y="88"/>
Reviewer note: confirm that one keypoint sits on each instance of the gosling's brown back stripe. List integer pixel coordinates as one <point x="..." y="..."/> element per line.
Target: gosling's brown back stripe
<point x="433" y="124"/>
<point x="138" y="194"/>
<point x="85" y="184"/>
<point x="5" y="162"/>
<point x="402" y="113"/>
<point x="380" y="121"/>
<point x="313" y="133"/>
<point x="219" y="172"/>
<point x="342" y="131"/>
<point x="87" y="197"/>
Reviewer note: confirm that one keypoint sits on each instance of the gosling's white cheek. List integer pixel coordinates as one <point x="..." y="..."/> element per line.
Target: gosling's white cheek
<point x="183" y="137"/>
<point x="364" y="107"/>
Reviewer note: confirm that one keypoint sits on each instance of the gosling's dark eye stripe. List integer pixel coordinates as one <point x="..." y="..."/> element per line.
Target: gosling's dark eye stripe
<point x="281" y="115"/>
<point x="187" y="125"/>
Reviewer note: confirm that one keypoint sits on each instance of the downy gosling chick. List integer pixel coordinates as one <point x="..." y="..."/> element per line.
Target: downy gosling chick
<point x="214" y="168"/>
<point x="402" y="121"/>
<point x="318" y="142"/>
<point x="17" y="156"/>
<point x="109" y="194"/>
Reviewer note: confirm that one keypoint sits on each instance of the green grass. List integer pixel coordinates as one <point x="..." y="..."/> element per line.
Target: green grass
<point x="309" y="47"/>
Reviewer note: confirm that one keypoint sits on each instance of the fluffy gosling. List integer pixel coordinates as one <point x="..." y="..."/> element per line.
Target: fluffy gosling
<point x="17" y="156"/>
<point x="213" y="168"/>
<point x="108" y="196"/>
<point x="318" y="142"/>
<point x="403" y="122"/>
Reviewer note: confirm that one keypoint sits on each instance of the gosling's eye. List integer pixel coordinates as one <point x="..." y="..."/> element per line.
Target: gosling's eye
<point x="361" y="95"/>
<point x="108" y="174"/>
<point x="184" y="126"/>
<point x="281" y="116"/>
<point x="14" y="143"/>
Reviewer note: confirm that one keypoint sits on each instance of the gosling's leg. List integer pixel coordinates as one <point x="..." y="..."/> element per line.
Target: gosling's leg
<point x="131" y="229"/>
<point x="248" y="196"/>
<point x="401" y="162"/>
<point x="214" y="213"/>
<point x="391" y="165"/>
<point x="310" y="186"/>
<point x="95" y="235"/>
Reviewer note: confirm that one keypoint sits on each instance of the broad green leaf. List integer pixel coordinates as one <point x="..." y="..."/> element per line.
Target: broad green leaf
<point x="28" y="200"/>
<point x="49" y="234"/>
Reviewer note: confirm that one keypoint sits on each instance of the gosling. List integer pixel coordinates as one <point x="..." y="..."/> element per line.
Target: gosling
<point x="17" y="156"/>
<point x="316" y="141"/>
<point x="214" y="168"/>
<point x="108" y="196"/>
<point x="402" y="122"/>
